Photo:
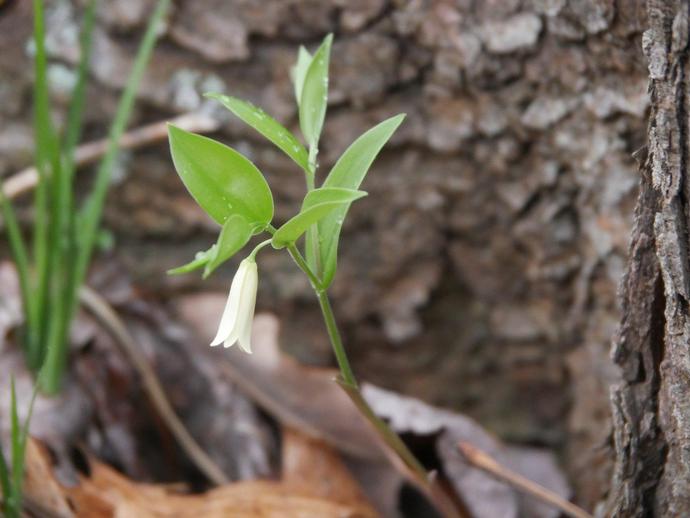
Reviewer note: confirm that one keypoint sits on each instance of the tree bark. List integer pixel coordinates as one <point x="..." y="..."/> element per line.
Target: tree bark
<point x="651" y="405"/>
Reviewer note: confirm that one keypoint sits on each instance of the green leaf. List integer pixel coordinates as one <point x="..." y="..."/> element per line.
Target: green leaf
<point x="234" y="235"/>
<point x="348" y="173"/>
<point x="200" y="260"/>
<point x="221" y="180"/>
<point x="317" y="204"/>
<point x="299" y="71"/>
<point x="267" y="126"/>
<point x="314" y="96"/>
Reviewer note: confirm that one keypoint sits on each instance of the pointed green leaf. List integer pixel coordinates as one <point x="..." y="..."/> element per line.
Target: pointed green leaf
<point x="348" y="172"/>
<point x="267" y="126"/>
<point x="317" y="204"/>
<point x="314" y="96"/>
<point x="234" y="235"/>
<point x="200" y="260"/>
<point x="299" y="71"/>
<point x="221" y="180"/>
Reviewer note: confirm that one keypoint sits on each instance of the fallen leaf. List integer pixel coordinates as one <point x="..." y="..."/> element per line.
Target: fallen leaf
<point x="484" y="496"/>
<point x="104" y="493"/>
<point x="311" y="466"/>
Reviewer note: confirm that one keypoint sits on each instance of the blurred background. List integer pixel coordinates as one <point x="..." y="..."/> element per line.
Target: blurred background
<point x="480" y="273"/>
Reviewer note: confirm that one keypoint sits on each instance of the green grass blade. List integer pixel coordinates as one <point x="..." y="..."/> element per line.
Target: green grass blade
<point x="48" y="166"/>
<point x="21" y="260"/>
<point x="15" y="433"/>
<point x="89" y="218"/>
<point x="76" y="108"/>
<point x="63" y="245"/>
<point x="6" y="485"/>
<point x="18" y="462"/>
<point x="19" y="251"/>
<point x="91" y="214"/>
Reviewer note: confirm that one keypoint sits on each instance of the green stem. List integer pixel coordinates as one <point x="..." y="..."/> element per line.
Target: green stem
<point x="304" y="266"/>
<point x="348" y="380"/>
<point x="348" y="377"/>
<point x="258" y="247"/>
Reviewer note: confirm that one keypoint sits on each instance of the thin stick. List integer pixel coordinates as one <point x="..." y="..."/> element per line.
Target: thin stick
<point x="88" y="153"/>
<point x="100" y="308"/>
<point x="483" y="461"/>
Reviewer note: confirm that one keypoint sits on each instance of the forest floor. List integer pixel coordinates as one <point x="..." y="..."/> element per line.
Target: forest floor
<point x="282" y="438"/>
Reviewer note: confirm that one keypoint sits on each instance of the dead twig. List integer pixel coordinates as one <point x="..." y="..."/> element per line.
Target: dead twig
<point x="481" y="460"/>
<point x="100" y="308"/>
<point x="25" y="180"/>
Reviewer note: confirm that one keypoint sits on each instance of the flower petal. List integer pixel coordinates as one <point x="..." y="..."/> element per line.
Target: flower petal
<point x="231" y="339"/>
<point x="245" y="318"/>
<point x="229" y="319"/>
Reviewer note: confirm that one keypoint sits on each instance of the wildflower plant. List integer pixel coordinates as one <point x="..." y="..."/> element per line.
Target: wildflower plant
<point x="233" y="192"/>
<point x="53" y="269"/>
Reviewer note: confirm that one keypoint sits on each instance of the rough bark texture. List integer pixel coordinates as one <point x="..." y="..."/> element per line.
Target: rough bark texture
<point x="481" y="271"/>
<point x="651" y="406"/>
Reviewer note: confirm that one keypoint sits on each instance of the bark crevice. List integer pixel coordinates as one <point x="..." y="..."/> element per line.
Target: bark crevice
<point x="651" y="411"/>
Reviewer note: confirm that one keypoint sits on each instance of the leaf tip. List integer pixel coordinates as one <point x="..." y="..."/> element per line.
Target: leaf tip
<point x="214" y="95"/>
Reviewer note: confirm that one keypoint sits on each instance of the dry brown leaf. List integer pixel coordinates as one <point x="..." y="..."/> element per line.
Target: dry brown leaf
<point x="40" y="484"/>
<point x="104" y="493"/>
<point x="312" y="467"/>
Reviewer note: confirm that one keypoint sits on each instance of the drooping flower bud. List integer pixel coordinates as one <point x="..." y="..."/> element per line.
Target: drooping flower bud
<point x="236" y="322"/>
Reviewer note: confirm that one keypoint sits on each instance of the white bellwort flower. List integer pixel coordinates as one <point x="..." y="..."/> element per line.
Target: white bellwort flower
<point x="236" y="322"/>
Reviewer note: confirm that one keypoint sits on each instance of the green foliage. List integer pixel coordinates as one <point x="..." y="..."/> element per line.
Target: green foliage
<point x="233" y="236"/>
<point x="299" y="72"/>
<point x="12" y="474"/>
<point x="349" y="172"/>
<point x="63" y="238"/>
<point x="225" y="184"/>
<point x="267" y="126"/>
<point x="221" y="180"/>
<point x="317" y="204"/>
<point x="314" y="94"/>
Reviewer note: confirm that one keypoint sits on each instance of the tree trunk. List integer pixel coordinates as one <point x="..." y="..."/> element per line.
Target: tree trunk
<point x="651" y="406"/>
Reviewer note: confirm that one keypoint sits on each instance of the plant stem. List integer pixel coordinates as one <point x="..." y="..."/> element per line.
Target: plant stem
<point x="258" y="247"/>
<point x="348" y="381"/>
<point x="348" y="377"/>
<point x="304" y="266"/>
